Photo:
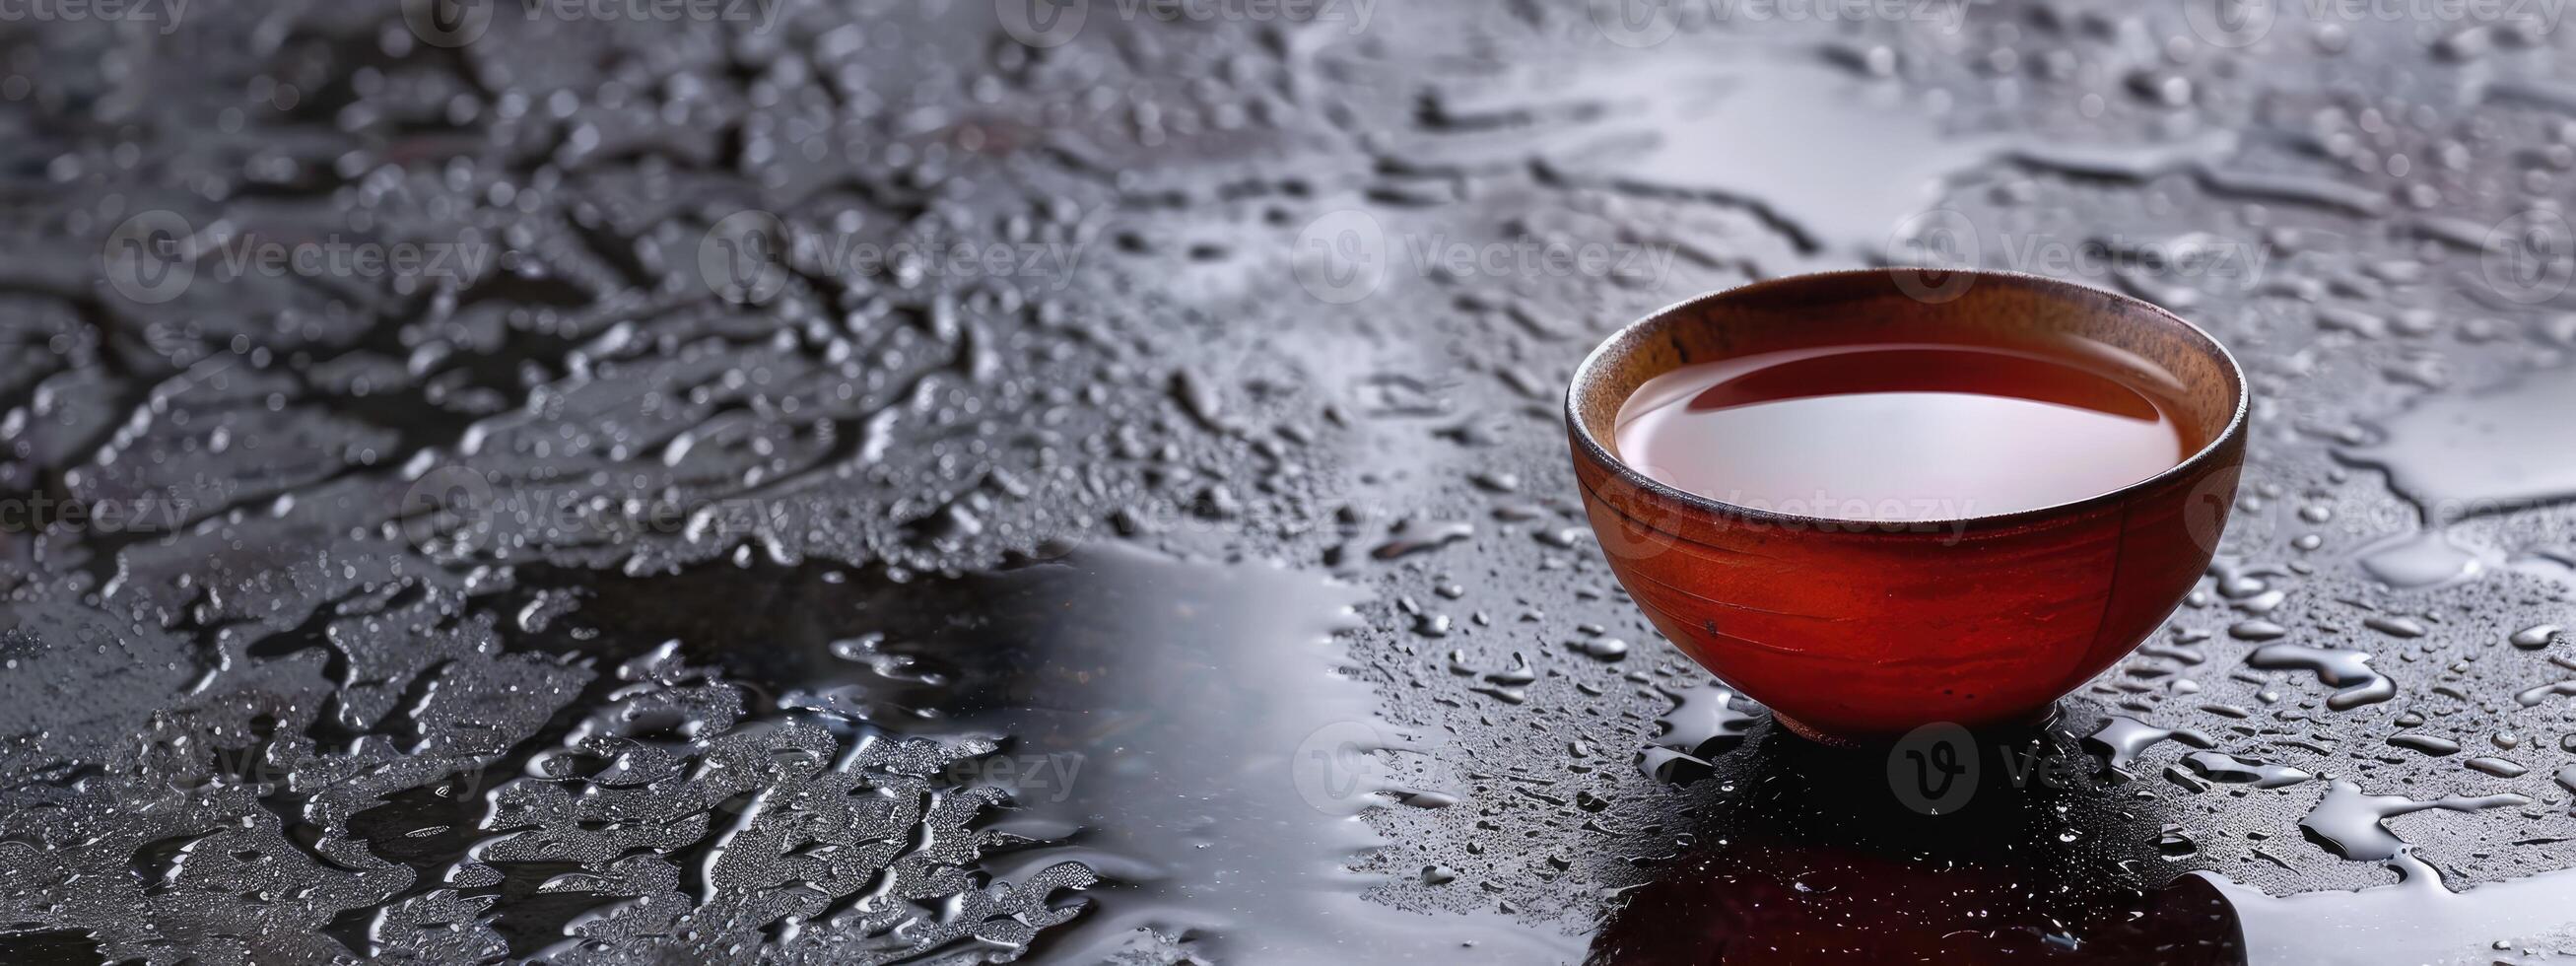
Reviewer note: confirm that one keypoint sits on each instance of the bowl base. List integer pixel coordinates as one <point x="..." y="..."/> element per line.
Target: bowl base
<point x="1812" y="734"/>
<point x="2039" y="719"/>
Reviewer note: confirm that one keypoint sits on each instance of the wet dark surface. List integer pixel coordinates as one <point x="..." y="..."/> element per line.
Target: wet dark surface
<point x="584" y="581"/>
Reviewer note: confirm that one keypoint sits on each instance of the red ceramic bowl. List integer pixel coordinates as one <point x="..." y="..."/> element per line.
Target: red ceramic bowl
<point x="1854" y="631"/>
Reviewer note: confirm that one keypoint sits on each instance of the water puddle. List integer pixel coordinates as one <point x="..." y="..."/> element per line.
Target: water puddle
<point x="2507" y="448"/>
<point x="2417" y="920"/>
<point x="2347" y="671"/>
<point x="1178" y="729"/>
<point x="2348" y="821"/>
<point x="2463" y="456"/>
<point x="1838" y="164"/>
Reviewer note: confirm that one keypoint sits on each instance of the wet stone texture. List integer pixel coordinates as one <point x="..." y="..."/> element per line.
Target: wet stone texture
<point x="848" y="482"/>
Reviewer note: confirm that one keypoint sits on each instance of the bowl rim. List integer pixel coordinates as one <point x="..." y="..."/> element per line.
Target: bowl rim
<point x="1629" y="335"/>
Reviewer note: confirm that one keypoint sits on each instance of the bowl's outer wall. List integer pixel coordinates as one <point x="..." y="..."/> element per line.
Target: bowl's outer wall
<point x="1866" y="634"/>
<point x="1859" y="632"/>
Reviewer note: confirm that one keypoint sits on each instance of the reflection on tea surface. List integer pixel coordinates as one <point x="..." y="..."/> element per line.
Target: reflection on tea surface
<point x="1898" y="432"/>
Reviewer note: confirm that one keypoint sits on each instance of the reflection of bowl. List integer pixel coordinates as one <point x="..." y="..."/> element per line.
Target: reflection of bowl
<point x="1862" y="630"/>
<point x="1790" y="904"/>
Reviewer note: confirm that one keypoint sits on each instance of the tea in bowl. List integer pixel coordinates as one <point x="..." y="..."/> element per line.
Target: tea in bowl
<point x="1873" y="506"/>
